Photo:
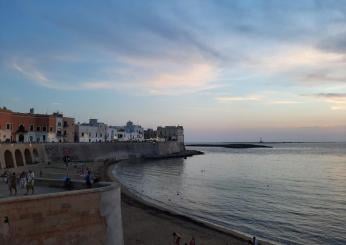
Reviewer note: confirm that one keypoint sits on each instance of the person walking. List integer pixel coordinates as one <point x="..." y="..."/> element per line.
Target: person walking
<point x="192" y="242"/>
<point x="88" y="179"/>
<point x="12" y="183"/>
<point x="30" y="179"/>
<point x="22" y="180"/>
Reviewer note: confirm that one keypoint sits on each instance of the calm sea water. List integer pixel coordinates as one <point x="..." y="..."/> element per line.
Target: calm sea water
<point x="291" y="194"/>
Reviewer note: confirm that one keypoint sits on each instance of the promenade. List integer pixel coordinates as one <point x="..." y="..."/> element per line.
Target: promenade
<point x="4" y="192"/>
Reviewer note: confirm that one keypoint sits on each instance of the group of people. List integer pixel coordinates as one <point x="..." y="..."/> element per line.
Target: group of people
<point x="26" y="180"/>
<point x="177" y="240"/>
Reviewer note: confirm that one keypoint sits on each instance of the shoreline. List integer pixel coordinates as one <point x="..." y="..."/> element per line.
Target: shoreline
<point x="134" y="201"/>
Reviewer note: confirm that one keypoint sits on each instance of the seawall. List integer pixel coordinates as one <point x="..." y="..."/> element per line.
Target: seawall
<point x="16" y="155"/>
<point x="87" y="216"/>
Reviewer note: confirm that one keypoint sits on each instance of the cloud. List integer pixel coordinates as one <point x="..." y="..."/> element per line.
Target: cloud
<point x="179" y="47"/>
<point x="238" y="98"/>
<point x="334" y="43"/>
<point x="324" y="76"/>
<point x="28" y="69"/>
<point x="284" y="102"/>
<point x="144" y="78"/>
<point x="337" y="101"/>
<point x="332" y="95"/>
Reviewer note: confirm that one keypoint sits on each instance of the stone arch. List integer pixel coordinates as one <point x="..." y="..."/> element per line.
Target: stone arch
<point x="35" y="152"/>
<point x="27" y="155"/>
<point x="9" y="159"/>
<point x="19" y="158"/>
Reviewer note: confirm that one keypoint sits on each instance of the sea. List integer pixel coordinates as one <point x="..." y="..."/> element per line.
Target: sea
<point x="293" y="193"/>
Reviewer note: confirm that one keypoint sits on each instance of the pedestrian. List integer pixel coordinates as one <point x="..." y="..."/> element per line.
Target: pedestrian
<point x="192" y="241"/>
<point x="88" y="179"/>
<point x="22" y="180"/>
<point x="30" y="182"/>
<point x="12" y="184"/>
<point x="7" y="175"/>
<point x="177" y="239"/>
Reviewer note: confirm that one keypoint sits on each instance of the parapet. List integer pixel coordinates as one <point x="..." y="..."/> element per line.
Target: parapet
<point x="82" y="216"/>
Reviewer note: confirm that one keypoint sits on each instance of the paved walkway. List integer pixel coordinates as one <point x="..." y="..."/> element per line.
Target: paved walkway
<point x="4" y="192"/>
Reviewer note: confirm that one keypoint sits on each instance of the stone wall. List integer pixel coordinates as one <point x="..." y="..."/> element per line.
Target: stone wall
<point x="89" y="216"/>
<point x="52" y="152"/>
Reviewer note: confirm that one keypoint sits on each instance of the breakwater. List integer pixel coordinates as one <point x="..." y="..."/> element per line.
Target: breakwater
<point x="234" y="146"/>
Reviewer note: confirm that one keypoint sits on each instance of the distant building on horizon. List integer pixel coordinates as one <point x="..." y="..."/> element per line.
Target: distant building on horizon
<point x="35" y="128"/>
<point x="17" y="127"/>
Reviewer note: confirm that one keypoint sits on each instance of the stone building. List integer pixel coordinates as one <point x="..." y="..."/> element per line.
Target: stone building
<point x="35" y="128"/>
<point x="171" y="133"/>
<point x="150" y="134"/>
<point x="69" y="129"/>
<point x="93" y="131"/>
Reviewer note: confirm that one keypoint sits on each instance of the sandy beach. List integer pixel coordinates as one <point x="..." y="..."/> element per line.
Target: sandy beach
<point x="149" y="226"/>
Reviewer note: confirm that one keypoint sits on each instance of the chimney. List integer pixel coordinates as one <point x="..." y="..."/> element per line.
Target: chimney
<point x="32" y="111"/>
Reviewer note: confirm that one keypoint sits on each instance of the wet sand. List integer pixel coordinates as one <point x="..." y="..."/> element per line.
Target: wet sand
<point x="149" y="226"/>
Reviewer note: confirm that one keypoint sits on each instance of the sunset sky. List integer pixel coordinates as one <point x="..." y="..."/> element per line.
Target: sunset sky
<point x="225" y="70"/>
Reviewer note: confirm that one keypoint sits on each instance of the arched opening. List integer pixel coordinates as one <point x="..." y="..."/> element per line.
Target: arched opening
<point x="35" y="152"/>
<point x="27" y="156"/>
<point x="9" y="159"/>
<point x="19" y="158"/>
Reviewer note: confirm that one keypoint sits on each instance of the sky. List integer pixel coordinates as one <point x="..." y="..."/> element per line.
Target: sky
<point x="225" y="70"/>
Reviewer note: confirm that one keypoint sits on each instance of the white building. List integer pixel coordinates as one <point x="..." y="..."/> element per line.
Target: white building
<point x="112" y="134"/>
<point x="133" y="132"/>
<point x="91" y="132"/>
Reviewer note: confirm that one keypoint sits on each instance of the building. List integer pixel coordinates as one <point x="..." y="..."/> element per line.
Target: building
<point x="112" y="134"/>
<point x="69" y="129"/>
<point x="133" y="132"/>
<point x="171" y="133"/>
<point x="150" y="134"/>
<point x="31" y="127"/>
<point x="93" y="131"/>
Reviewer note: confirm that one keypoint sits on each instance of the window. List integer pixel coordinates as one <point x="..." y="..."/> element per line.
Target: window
<point x="65" y="133"/>
<point x="31" y="127"/>
<point x="38" y="128"/>
<point x="8" y="126"/>
<point x="51" y="129"/>
<point x="59" y="124"/>
<point x="44" y="129"/>
<point x="65" y="124"/>
<point x="96" y="135"/>
<point x="82" y="134"/>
